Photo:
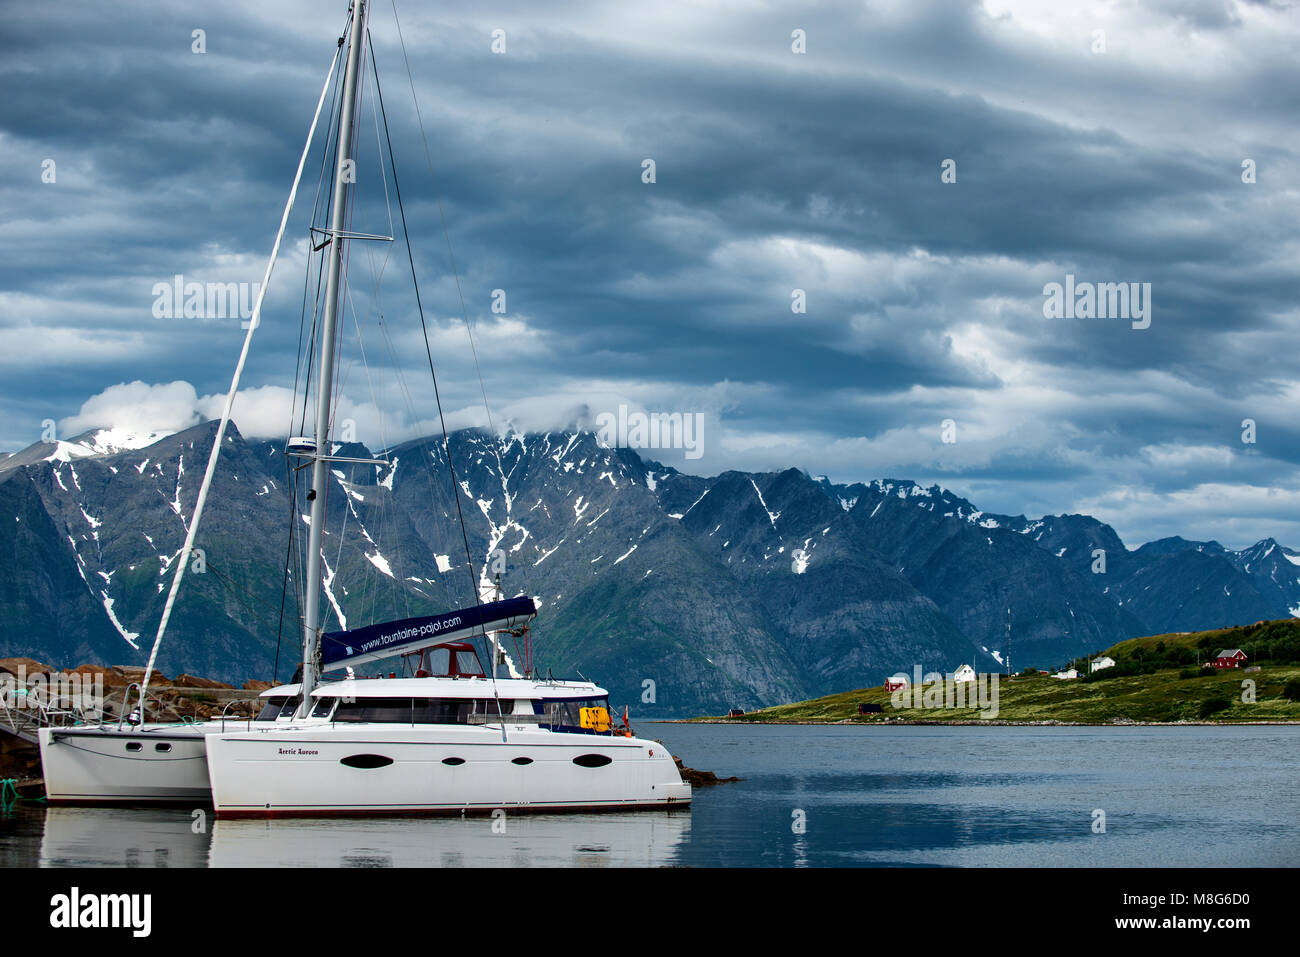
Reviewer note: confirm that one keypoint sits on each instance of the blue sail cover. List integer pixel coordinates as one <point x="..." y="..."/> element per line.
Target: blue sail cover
<point x="342" y="648"/>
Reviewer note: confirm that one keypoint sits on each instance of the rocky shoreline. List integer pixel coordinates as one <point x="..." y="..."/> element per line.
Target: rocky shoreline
<point x="183" y="698"/>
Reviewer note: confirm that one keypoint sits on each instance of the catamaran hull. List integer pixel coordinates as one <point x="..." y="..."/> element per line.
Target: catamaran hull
<point x="388" y="770"/>
<point x="127" y="766"/>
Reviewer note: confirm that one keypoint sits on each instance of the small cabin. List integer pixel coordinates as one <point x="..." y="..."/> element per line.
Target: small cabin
<point x="1229" y="658"/>
<point x="450" y="659"/>
<point x="866" y="707"/>
<point x="897" y="683"/>
<point x="1105" y="661"/>
<point x="736" y="713"/>
<point x="963" y="674"/>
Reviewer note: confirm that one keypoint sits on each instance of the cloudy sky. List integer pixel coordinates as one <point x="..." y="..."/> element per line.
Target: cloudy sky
<point x="1100" y="140"/>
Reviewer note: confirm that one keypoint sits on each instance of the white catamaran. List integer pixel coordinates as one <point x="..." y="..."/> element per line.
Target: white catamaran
<point x="452" y="737"/>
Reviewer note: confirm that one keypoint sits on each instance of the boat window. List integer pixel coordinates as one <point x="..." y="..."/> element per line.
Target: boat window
<point x="290" y="707"/>
<point x="378" y="710"/>
<point x="323" y="707"/>
<point x="439" y="661"/>
<point x="467" y="663"/>
<point x="588" y="715"/>
<point x="419" y="710"/>
<point x="271" y="710"/>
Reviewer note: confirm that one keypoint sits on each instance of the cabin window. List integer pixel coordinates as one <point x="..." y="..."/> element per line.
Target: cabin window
<point x="376" y="710"/>
<point x="323" y="707"/>
<point x="366" y="762"/>
<point x="467" y="663"/>
<point x="290" y="707"/>
<point x="271" y="710"/>
<point x="439" y="661"/>
<point x="568" y="715"/>
<point x="419" y="710"/>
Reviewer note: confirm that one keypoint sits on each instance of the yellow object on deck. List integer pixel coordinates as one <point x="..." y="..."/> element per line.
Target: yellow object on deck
<point x="597" y="719"/>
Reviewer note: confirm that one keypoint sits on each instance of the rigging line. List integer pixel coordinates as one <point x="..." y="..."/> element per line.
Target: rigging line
<point x="193" y="529"/>
<point x="401" y="208"/>
<point x="428" y="157"/>
<point x="291" y="480"/>
<point x="451" y="256"/>
<point x="337" y="397"/>
<point x="365" y="364"/>
<point x="306" y="281"/>
<point x="284" y="588"/>
<point x="329" y="160"/>
<point x="386" y="523"/>
<point x="235" y="589"/>
<point x="406" y="236"/>
<point x="379" y="148"/>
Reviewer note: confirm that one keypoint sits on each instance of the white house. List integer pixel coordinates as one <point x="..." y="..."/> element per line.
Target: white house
<point x="962" y="674"/>
<point x="1105" y="661"/>
<point x="1064" y="675"/>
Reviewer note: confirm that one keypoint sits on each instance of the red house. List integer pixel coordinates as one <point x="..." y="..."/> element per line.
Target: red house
<point x="1229" y="658"/>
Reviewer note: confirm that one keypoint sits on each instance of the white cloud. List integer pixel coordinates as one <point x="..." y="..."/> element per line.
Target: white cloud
<point x="138" y="407"/>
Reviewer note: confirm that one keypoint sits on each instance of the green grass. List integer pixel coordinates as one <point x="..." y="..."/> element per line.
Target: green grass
<point x="1161" y="696"/>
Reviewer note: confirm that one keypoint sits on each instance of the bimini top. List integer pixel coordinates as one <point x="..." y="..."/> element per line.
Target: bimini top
<point x="338" y="649"/>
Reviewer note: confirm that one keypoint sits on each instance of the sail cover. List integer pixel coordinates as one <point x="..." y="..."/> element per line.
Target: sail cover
<point x="360" y="645"/>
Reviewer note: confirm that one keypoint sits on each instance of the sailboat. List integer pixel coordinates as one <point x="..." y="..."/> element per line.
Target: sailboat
<point x="455" y="737"/>
<point x="451" y="738"/>
<point x="129" y="760"/>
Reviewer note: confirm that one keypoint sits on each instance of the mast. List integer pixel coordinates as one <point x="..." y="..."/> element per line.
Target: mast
<point x="329" y="329"/>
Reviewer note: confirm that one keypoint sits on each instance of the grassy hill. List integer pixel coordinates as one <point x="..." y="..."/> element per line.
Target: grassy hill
<point x="1155" y="678"/>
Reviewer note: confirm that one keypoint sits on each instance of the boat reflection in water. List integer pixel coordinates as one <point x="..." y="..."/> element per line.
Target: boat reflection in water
<point x="124" y="837"/>
<point x="174" y="837"/>
<point x="633" y="839"/>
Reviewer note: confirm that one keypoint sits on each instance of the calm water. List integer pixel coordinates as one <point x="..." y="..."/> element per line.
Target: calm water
<point x="971" y="796"/>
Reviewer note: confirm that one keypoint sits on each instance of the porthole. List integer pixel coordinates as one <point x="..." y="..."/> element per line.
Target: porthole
<point x="162" y="746"/>
<point x="134" y="746"/>
<point x="521" y="761"/>
<point x="366" y="762"/>
<point x="453" y="762"/>
<point x="592" y="760"/>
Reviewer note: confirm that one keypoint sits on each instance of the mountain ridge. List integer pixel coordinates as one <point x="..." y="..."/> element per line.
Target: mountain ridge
<point x="679" y="593"/>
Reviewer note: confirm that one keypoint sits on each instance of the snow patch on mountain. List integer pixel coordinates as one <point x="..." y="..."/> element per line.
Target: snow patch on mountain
<point x="130" y="636"/>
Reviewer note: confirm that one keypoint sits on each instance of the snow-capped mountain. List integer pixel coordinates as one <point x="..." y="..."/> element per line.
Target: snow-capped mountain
<point x="679" y="593"/>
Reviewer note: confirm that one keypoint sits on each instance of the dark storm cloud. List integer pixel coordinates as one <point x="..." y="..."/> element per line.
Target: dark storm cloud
<point x="775" y="172"/>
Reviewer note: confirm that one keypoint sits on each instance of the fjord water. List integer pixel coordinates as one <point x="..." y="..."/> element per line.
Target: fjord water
<point x="811" y="796"/>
